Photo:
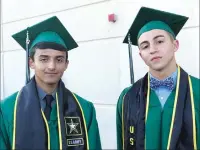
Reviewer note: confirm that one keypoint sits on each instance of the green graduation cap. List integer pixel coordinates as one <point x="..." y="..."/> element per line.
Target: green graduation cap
<point x="148" y="19"/>
<point x="49" y="30"/>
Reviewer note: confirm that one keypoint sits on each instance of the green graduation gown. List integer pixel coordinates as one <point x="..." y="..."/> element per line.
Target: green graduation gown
<point x="157" y="125"/>
<point x="6" y="124"/>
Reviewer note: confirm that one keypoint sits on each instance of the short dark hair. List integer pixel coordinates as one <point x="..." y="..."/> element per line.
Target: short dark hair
<point x="46" y="45"/>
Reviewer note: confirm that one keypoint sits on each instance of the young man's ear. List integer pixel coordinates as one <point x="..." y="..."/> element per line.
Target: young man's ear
<point x="176" y="45"/>
<point x="66" y="64"/>
<point x="31" y="63"/>
<point x="140" y="54"/>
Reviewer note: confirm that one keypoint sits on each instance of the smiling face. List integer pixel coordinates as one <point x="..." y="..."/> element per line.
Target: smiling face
<point x="49" y="65"/>
<point x="157" y="48"/>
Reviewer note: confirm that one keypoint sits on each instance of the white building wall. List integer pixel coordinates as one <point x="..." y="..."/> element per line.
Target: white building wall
<point x="99" y="67"/>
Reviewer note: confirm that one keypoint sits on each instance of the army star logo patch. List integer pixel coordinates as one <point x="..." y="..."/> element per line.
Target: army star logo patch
<point x="73" y="126"/>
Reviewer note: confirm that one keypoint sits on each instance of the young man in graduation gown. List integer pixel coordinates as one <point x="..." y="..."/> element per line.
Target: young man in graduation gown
<point x="44" y="114"/>
<point x="162" y="109"/>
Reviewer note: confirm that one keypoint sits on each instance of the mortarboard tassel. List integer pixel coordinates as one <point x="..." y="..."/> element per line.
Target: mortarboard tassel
<point x="27" y="58"/>
<point x="130" y="59"/>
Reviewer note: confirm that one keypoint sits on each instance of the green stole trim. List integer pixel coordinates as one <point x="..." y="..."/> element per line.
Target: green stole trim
<point x="30" y="126"/>
<point x="181" y="133"/>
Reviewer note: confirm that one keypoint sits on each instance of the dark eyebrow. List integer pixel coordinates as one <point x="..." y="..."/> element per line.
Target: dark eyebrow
<point x="48" y="56"/>
<point x="44" y="56"/>
<point x="60" y="57"/>
<point x="158" y="36"/>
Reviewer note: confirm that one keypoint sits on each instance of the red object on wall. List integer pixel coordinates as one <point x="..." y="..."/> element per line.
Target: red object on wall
<point x="111" y="17"/>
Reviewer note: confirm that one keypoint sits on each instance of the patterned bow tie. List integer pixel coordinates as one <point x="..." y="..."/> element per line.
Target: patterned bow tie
<point x="167" y="83"/>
